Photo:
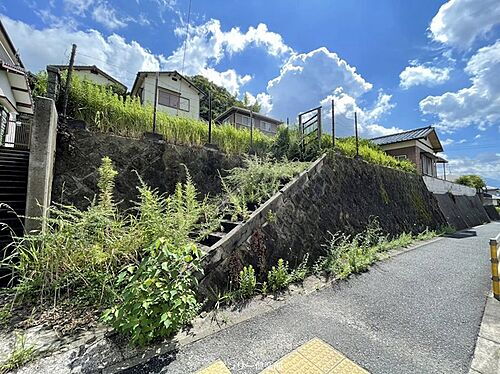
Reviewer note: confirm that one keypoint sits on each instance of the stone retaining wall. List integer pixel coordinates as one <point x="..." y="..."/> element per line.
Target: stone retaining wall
<point x="335" y="194"/>
<point x="462" y="212"/>
<point x="160" y="165"/>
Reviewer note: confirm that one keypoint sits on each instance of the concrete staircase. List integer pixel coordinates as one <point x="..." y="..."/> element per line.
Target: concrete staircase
<point x="13" y="185"/>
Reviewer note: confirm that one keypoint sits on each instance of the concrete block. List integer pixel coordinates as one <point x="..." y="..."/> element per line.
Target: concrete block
<point x="41" y="163"/>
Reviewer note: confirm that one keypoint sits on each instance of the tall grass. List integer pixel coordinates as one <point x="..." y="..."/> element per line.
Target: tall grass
<point x="105" y="111"/>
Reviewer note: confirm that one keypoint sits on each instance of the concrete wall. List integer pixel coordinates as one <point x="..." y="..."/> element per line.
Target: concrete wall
<point x="167" y="82"/>
<point x="462" y="211"/>
<point x="41" y="162"/>
<point x="335" y="194"/>
<point x="440" y="186"/>
<point x="160" y="165"/>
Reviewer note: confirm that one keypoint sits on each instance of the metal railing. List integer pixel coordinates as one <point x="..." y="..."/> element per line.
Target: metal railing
<point x="17" y="135"/>
<point x="494" y="244"/>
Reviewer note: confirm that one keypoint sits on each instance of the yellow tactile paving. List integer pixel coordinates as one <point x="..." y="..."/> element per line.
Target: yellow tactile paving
<point x="218" y="367"/>
<point x="348" y="367"/>
<point x="321" y="354"/>
<point x="315" y="357"/>
<point x="294" y="363"/>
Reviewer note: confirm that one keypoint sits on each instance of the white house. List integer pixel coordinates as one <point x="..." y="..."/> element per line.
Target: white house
<point x="93" y="74"/>
<point x="15" y="94"/>
<point x="177" y="95"/>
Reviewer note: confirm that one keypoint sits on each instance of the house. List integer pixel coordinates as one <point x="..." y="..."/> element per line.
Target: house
<point x="240" y="117"/>
<point x="15" y="96"/>
<point x="177" y="95"/>
<point x="492" y="196"/>
<point x="419" y="146"/>
<point x="94" y="74"/>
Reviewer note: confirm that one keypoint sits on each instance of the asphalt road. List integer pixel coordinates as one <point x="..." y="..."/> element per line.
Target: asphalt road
<point x="418" y="312"/>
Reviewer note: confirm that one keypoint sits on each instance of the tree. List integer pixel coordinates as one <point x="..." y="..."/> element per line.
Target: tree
<point x="474" y="181"/>
<point x="222" y="99"/>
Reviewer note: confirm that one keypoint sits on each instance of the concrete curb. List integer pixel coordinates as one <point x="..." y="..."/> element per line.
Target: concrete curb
<point x="486" y="358"/>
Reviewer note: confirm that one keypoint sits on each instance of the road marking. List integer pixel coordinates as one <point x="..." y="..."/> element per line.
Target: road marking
<point x="218" y="367"/>
<point x="313" y="357"/>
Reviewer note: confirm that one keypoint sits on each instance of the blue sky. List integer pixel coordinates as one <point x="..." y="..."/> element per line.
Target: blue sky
<point x="399" y="64"/>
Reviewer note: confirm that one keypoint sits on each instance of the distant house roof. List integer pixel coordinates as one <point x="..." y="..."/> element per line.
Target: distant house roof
<point x="142" y="74"/>
<point x="235" y="109"/>
<point x="415" y="134"/>
<point x="93" y="69"/>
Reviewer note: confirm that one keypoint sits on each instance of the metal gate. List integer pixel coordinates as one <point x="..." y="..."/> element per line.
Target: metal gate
<point x="310" y="127"/>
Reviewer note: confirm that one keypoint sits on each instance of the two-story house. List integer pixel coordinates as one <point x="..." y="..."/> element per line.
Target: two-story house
<point x="176" y="95"/>
<point x="419" y="146"/>
<point x="243" y="118"/>
<point x="15" y="94"/>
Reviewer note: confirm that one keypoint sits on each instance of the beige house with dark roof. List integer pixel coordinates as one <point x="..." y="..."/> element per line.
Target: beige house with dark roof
<point x="93" y="74"/>
<point x="419" y="146"/>
<point x="177" y="95"/>
<point x="242" y="118"/>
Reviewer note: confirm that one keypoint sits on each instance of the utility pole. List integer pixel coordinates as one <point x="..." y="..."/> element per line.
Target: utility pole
<point x="333" y="123"/>
<point x="287" y="121"/>
<point x="356" y="129"/>
<point x="251" y="130"/>
<point x="209" y="117"/>
<point x="68" y="80"/>
<point x="156" y="101"/>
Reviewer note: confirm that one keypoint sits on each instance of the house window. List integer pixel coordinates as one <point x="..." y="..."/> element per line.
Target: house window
<point x="173" y="100"/>
<point x="266" y="126"/>
<point x="401" y="157"/>
<point x="242" y="120"/>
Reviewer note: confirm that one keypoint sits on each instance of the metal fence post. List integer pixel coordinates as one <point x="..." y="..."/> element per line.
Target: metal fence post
<point x="494" y="267"/>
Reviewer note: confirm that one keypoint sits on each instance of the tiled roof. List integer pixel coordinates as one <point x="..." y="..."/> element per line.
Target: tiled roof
<point x="403" y="136"/>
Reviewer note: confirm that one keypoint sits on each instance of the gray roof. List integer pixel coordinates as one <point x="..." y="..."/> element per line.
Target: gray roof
<point x="403" y="136"/>
<point x="235" y="109"/>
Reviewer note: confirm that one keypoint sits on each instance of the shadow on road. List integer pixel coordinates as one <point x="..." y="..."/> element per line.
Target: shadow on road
<point x="462" y="234"/>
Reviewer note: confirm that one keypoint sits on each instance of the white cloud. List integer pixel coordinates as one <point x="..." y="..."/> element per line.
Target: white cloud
<point x="208" y="44"/>
<point x="307" y="78"/>
<point x="416" y="75"/>
<point x="447" y="141"/>
<point x="229" y="79"/>
<point x="478" y="104"/>
<point x="477" y="136"/>
<point x="106" y="15"/>
<point x="485" y="164"/>
<point x="263" y="99"/>
<point x="40" y="47"/>
<point x="346" y="106"/>
<point x="462" y="141"/>
<point x="460" y="22"/>
<point x="78" y="7"/>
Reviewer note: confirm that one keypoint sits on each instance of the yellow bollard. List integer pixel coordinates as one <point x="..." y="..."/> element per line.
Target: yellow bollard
<point x="494" y="267"/>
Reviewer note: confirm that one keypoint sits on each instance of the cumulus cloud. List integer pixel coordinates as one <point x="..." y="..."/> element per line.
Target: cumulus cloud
<point x="307" y="78"/>
<point x="459" y="22"/>
<point x="417" y="75"/>
<point x="114" y="54"/>
<point x="208" y="44"/>
<point x="478" y="104"/>
<point x="447" y="141"/>
<point x="229" y="79"/>
<point x="263" y="99"/>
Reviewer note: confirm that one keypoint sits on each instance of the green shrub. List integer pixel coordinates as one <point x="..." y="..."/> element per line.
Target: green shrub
<point x="159" y="295"/>
<point x="257" y="181"/>
<point x="247" y="282"/>
<point x="372" y="153"/>
<point x="105" y="111"/>
<point x="278" y="277"/>
<point x="80" y="253"/>
<point x="300" y="272"/>
<point x="19" y="357"/>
